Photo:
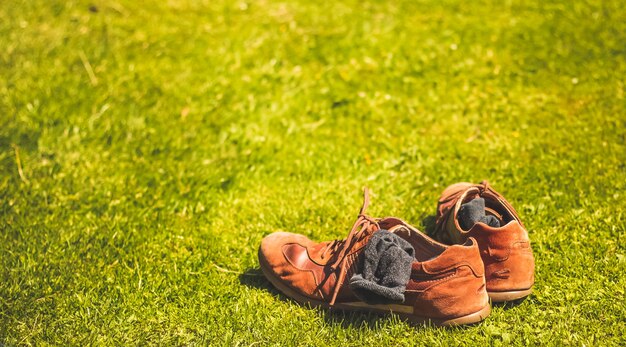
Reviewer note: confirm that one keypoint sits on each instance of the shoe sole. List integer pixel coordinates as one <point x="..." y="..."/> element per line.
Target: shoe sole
<point x="510" y="295"/>
<point x="403" y="311"/>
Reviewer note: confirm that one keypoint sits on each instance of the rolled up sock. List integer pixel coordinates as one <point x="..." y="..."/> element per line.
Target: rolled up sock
<point x="490" y="220"/>
<point x="473" y="212"/>
<point x="384" y="269"/>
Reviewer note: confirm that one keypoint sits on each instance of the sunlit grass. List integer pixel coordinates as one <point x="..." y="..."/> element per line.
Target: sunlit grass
<point x="147" y="147"/>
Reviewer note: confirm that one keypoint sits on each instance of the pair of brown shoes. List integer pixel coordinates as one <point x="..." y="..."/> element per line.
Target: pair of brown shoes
<point x="480" y="251"/>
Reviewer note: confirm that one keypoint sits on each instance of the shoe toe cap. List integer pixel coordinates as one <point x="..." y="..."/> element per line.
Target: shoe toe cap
<point x="272" y="245"/>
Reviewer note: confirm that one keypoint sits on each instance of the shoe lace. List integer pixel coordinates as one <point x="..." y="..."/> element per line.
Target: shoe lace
<point x="484" y="186"/>
<point x="357" y="233"/>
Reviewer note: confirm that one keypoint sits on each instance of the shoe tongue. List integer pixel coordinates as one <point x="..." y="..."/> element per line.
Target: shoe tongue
<point x="473" y="212"/>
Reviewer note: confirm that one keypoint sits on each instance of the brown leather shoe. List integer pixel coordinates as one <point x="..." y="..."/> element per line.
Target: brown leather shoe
<point x="505" y="247"/>
<point x="446" y="285"/>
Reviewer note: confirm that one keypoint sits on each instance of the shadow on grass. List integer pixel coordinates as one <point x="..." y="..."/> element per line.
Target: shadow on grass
<point x="509" y="304"/>
<point x="254" y="278"/>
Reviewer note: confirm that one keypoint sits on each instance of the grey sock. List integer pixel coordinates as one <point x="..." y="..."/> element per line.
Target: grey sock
<point x="473" y="212"/>
<point x="384" y="269"/>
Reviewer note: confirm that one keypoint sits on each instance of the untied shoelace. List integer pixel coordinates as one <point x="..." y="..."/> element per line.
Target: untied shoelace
<point x="358" y="231"/>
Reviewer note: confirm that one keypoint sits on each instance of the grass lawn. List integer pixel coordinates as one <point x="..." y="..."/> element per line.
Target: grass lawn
<point x="147" y="147"/>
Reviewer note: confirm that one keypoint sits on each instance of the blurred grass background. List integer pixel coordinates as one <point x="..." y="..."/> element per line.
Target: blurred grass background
<point x="147" y="147"/>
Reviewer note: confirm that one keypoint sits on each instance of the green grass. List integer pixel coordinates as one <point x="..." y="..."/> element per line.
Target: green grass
<point x="159" y="141"/>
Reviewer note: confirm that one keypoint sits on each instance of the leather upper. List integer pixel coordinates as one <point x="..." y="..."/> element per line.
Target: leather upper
<point x="301" y="264"/>
<point x="505" y="251"/>
<point x="446" y="281"/>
